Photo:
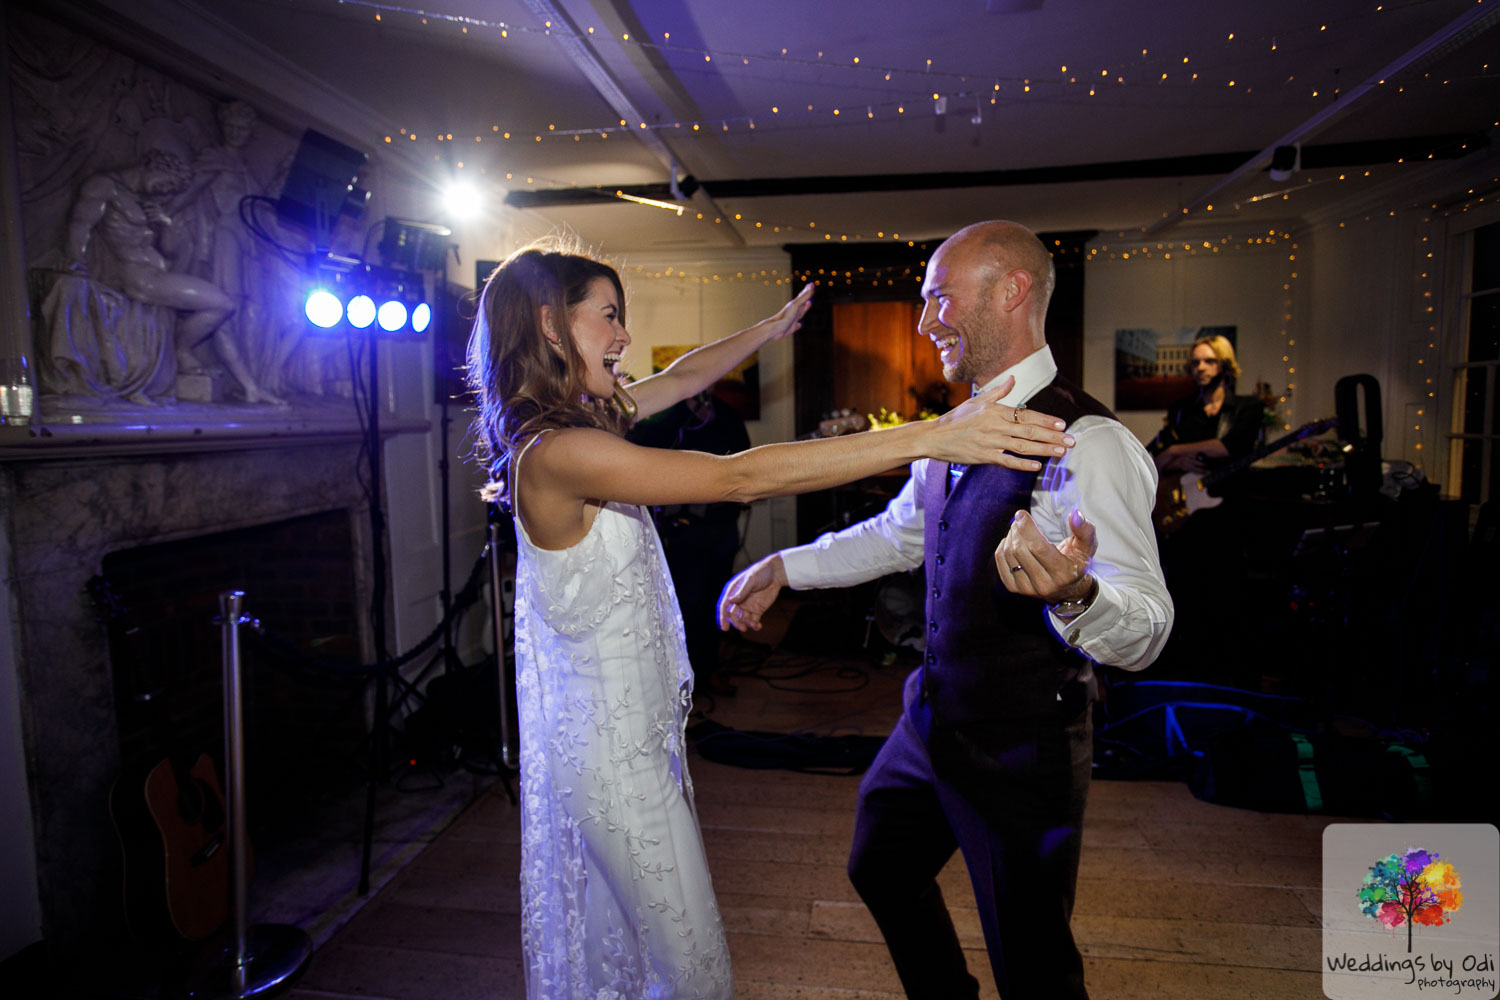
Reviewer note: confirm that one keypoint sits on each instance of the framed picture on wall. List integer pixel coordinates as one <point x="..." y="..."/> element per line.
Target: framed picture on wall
<point x="1151" y="365"/>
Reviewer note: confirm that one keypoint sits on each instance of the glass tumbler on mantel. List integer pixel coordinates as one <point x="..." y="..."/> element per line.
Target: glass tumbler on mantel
<point x="15" y="391"/>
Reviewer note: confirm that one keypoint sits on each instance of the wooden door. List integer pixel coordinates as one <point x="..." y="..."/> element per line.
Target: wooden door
<point x="879" y="360"/>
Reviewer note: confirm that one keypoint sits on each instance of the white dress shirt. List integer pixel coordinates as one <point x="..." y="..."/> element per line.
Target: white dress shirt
<point x="1107" y="475"/>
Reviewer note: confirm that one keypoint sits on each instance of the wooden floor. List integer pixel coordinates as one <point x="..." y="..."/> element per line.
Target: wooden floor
<point x="1177" y="898"/>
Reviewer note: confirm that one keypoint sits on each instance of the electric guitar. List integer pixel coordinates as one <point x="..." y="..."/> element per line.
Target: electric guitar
<point x="1179" y="496"/>
<point x="168" y="813"/>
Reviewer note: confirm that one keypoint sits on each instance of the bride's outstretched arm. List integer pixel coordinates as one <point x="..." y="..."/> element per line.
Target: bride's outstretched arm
<point x="567" y="468"/>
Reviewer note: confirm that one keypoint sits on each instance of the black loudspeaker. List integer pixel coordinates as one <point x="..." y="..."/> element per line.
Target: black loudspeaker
<point x="319" y="187"/>
<point x="1362" y="464"/>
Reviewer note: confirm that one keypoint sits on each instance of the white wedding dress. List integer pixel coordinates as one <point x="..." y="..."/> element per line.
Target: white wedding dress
<point x="616" y="900"/>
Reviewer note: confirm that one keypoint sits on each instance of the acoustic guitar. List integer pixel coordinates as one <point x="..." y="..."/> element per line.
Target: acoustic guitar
<point x="1179" y="496"/>
<point x="168" y="813"/>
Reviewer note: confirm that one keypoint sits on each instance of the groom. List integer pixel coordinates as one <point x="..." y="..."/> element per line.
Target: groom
<point x="993" y="750"/>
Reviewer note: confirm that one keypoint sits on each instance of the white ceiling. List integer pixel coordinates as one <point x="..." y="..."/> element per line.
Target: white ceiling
<point x="1159" y="82"/>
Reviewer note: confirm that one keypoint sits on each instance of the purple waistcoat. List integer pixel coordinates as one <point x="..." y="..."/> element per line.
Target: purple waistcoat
<point x="990" y="654"/>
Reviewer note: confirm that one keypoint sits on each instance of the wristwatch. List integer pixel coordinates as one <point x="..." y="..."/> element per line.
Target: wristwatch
<point x="1068" y="610"/>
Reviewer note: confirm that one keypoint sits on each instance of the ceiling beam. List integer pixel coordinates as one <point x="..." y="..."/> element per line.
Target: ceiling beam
<point x="1447" y="146"/>
<point x="1479" y="19"/>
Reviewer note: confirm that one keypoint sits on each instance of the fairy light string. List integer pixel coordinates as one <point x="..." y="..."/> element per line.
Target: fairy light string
<point x="939" y="87"/>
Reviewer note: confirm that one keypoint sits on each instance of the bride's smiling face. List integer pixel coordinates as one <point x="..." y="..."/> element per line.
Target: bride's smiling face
<point x="599" y="336"/>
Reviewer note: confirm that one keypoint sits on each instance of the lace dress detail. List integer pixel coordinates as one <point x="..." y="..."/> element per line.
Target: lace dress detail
<point x="616" y="900"/>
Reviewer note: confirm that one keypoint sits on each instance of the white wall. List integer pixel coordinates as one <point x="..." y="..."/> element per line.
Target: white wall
<point x="1367" y="313"/>
<point x="1240" y="287"/>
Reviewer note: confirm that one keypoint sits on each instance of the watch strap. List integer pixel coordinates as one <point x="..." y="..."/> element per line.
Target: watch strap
<point x="1068" y="610"/>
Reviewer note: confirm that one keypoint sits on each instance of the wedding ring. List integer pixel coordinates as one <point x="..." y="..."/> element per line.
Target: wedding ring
<point x="1015" y="569"/>
<point x="1016" y="412"/>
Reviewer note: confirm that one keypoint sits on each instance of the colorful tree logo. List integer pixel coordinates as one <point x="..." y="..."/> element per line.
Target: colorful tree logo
<point x="1417" y="887"/>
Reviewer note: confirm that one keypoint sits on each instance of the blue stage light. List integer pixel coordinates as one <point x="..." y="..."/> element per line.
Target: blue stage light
<point x="420" y="317"/>
<point x="361" y="311"/>
<point x="323" y="308"/>
<point x="391" y="316"/>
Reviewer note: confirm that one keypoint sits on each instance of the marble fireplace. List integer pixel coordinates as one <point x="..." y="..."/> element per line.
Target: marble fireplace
<point x="71" y="514"/>
<point x="158" y="383"/>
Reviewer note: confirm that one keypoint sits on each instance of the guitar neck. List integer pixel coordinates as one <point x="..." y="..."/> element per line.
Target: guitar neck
<point x="1250" y="458"/>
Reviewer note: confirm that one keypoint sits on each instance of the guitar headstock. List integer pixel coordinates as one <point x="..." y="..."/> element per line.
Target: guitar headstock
<point x="1316" y="427"/>
<point x="846" y="422"/>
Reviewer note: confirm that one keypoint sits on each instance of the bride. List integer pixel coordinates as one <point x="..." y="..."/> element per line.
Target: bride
<point x="616" y="900"/>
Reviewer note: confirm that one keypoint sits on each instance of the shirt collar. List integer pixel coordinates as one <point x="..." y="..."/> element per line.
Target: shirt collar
<point x="1033" y="373"/>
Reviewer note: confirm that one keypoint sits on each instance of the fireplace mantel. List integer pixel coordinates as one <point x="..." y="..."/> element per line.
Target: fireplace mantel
<point x="189" y="428"/>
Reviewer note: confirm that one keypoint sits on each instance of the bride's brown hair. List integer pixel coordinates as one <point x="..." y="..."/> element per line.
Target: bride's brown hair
<point x="523" y="382"/>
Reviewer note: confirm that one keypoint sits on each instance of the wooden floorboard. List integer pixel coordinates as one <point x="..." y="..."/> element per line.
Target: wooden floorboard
<point x="1178" y="899"/>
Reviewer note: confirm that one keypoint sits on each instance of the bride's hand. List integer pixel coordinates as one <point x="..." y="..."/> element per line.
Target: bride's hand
<point x="786" y="320"/>
<point x="984" y="431"/>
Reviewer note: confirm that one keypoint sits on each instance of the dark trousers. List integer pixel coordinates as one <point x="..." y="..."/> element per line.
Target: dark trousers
<point x="1014" y="806"/>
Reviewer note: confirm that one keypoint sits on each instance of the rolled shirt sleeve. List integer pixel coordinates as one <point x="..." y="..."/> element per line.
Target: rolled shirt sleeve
<point x="1110" y="478"/>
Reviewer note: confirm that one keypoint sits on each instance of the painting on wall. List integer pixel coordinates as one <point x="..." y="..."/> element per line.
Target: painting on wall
<point x="740" y="389"/>
<point x="1151" y="365"/>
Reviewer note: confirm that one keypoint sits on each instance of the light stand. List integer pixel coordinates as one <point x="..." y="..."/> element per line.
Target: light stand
<point x="379" y="763"/>
<point x="442" y="365"/>
<point x="380" y="736"/>
<point x="318" y="191"/>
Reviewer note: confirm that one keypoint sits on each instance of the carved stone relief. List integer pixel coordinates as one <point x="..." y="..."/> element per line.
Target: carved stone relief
<point x="153" y="279"/>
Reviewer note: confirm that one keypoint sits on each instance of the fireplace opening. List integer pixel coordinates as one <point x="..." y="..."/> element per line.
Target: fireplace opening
<point x="304" y="726"/>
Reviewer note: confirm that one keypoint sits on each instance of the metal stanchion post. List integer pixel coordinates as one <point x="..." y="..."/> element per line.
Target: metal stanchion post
<point x="497" y="609"/>
<point x="266" y="957"/>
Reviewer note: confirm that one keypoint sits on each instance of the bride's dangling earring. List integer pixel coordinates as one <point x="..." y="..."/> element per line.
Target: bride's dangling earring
<point x="625" y="402"/>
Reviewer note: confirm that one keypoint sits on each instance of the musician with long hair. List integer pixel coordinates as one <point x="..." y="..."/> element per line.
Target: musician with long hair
<point x="1213" y="424"/>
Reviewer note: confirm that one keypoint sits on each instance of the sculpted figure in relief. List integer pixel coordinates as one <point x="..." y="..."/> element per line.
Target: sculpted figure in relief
<point x="233" y="258"/>
<point x="141" y="268"/>
<point x="129" y="211"/>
